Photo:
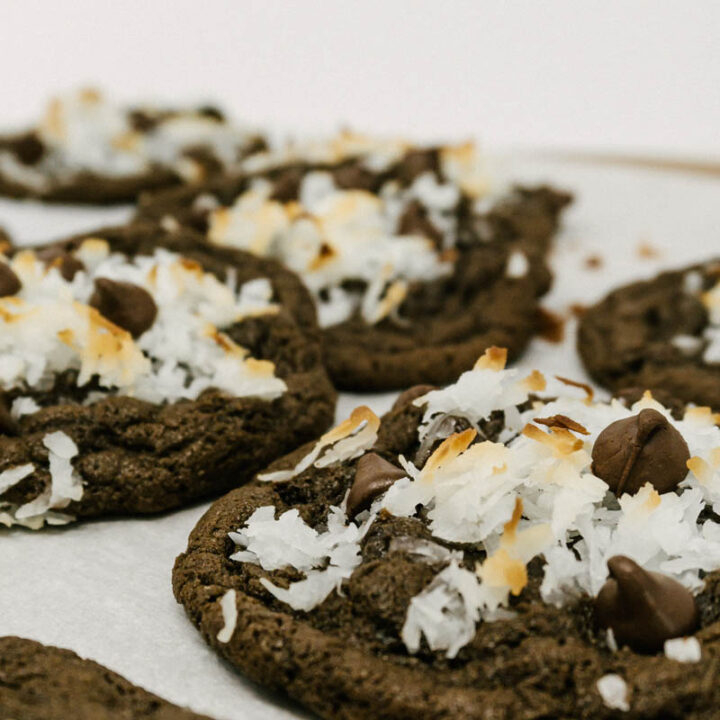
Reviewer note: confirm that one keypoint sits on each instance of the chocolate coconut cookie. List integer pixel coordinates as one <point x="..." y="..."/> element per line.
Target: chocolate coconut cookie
<point x="662" y="334"/>
<point x="139" y="372"/>
<point x="414" y="267"/>
<point x="88" y="150"/>
<point x="507" y="547"/>
<point x="38" y="682"/>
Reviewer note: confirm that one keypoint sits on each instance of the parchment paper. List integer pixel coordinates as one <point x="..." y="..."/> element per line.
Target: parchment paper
<point x="103" y="588"/>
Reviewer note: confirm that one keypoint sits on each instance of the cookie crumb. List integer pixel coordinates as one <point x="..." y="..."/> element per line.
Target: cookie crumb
<point x="593" y="262"/>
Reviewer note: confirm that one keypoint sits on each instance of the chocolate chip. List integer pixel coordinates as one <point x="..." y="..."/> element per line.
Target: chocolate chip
<point x="287" y="185"/>
<point x="8" y="424"/>
<point x="643" y="608"/>
<point x="28" y="149"/>
<point x="415" y="221"/>
<point x="417" y="162"/>
<point x="640" y="449"/>
<point x="9" y="281"/>
<point x="142" y="121"/>
<point x="353" y="176"/>
<point x="211" y="112"/>
<point x="67" y="264"/>
<point x="127" y="305"/>
<point x="373" y="476"/>
<point x="413" y="393"/>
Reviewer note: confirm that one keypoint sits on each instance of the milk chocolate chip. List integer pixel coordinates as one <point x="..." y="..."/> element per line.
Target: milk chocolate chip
<point x="67" y="264"/>
<point x="8" y="424"/>
<point x="127" y="305"/>
<point x="9" y="281"/>
<point x="644" y="609"/>
<point x="373" y="476"/>
<point x="415" y="221"/>
<point x="640" y="449"/>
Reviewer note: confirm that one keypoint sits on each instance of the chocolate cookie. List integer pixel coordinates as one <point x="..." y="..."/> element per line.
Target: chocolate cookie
<point x="38" y="682"/>
<point x="661" y="334"/>
<point x="140" y="372"/>
<point x="88" y="150"/>
<point x="414" y="267"/>
<point x="506" y="547"/>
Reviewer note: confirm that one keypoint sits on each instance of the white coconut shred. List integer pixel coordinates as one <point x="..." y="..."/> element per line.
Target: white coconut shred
<point x="332" y="237"/>
<point x="530" y="494"/>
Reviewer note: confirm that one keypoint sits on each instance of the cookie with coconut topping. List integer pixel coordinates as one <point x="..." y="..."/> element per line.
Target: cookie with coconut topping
<point x="472" y="554"/>
<point x="414" y="266"/>
<point x="41" y="682"/>
<point x="139" y="372"/>
<point x="662" y="334"/>
<point x="87" y="149"/>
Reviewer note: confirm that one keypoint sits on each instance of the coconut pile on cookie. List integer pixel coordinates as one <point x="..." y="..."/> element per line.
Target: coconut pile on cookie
<point x="148" y="327"/>
<point x="617" y="503"/>
<point x="83" y="132"/>
<point x="358" y="242"/>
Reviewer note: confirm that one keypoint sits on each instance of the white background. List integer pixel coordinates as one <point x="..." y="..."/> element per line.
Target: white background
<point x="640" y="75"/>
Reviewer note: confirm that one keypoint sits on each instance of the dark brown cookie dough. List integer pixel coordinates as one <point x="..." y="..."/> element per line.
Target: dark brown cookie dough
<point x="444" y="324"/>
<point x="140" y="457"/>
<point x="39" y="682"/>
<point x="345" y="658"/>
<point x="30" y="167"/>
<point x="651" y="335"/>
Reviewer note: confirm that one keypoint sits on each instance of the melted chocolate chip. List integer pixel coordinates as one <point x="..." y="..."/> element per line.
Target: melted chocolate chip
<point x="211" y="112"/>
<point x="67" y="264"/>
<point x="28" y="149"/>
<point x="127" y="305"/>
<point x="8" y="424"/>
<point x="9" y="281"/>
<point x="353" y="176"/>
<point x="415" y="221"/>
<point x="373" y="476"/>
<point x="413" y="393"/>
<point x="287" y="185"/>
<point x="142" y="121"/>
<point x="417" y="162"/>
<point x="640" y="449"/>
<point x="642" y="608"/>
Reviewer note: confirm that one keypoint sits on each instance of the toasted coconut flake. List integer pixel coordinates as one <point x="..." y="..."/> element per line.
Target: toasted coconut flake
<point x="534" y="382"/>
<point x="346" y="441"/>
<point x="562" y="421"/>
<point x="589" y="392"/>
<point x="702" y="415"/>
<point x="561" y="441"/>
<point x="494" y="358"/>
<point x="448" y="450"/>
<point x="701" y="469"/>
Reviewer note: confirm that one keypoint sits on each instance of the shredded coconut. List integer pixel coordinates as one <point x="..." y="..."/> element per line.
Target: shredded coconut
<point x="327" y="558"/>
<point x="65" y="486"/>
<point x="614" y="692"/>
<point x="346" y="441"/>
<point x="531" y="493"/>
<point x="684" y="650"/>
<point x="48" y="328"/>
<point x="332" y="236"/>
<point x="83" y="131"/>
<point x="229" y="613"/>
